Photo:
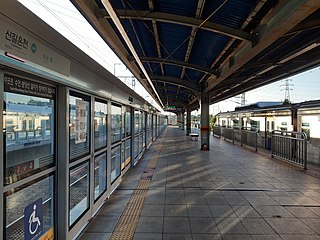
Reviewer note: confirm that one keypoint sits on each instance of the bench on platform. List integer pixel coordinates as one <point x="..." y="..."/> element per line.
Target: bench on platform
<point x="194" y="136"/>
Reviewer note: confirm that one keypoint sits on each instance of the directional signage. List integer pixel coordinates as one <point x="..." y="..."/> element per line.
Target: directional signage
<point x="169" y="108"/>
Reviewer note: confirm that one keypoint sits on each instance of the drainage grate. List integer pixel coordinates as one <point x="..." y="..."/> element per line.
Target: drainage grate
<point x="129" y="219"/>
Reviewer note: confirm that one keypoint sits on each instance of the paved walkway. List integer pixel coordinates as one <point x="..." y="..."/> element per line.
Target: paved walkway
<point x="227" y="193"/>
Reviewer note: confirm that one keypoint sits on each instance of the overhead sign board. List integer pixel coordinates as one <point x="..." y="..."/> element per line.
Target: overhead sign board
<point x="169" y="108"/>
<point x="19" y="44"/>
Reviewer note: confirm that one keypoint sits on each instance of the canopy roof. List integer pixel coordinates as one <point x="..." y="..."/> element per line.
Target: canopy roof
<point x="179" y="48"/>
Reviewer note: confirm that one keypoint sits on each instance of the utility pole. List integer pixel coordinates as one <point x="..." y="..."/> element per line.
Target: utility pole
<point x="286" y="88"/>
<point x="133" y="82"/>
<point x="242" y="99"/>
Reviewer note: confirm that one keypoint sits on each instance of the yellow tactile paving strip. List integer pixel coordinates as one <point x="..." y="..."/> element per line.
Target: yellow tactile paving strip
<point x="129" y="219"/>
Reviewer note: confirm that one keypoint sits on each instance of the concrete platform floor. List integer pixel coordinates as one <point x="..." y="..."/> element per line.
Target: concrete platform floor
<point x="229" y="192"/>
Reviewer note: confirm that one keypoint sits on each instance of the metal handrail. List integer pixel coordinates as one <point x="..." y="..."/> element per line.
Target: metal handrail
<point x="290" y="146"/>
<point x="249" y="136"/>
<point x="228" y="133"/>
<point x="217" y="131"/>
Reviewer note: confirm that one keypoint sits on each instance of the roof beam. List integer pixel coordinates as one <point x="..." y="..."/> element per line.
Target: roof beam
<point x="156" y="35"/>
<point x="174" y="101"/>
<point x="89" y="9"/>
<point x="285" y="16"/>
<point x="180" y="90"/>
<point x="182" y="20"/>
<point x="128" y="42"/>
<point x="195" y="88"/>
<point x="192" y="36"/>
<point x="232" y="42"/>
<point x="178" y="63"/>
<point x="304" y="26"/>
<point x="193" y="105"/>
<point x="173" y="96"/>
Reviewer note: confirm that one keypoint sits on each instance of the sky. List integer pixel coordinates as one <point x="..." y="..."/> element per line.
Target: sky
<point x="302" y="87"/>
<point x="65" y="18"/>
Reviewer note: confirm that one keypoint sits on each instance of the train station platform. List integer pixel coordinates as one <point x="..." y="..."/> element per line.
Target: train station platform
<point x="230" y="192"/>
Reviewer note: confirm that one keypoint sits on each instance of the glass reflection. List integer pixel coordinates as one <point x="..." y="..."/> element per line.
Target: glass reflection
<point x="79" y="111"/>
<point x="100" y="175"/>
<point x="149" y="138"/>
<point x="143" y="121"/>
<point x="128" y="122"/>
<point x="136" y="121"/>
<point x="28" y="124"/>
<point x="115" y="123"/>
<point x="100" y="125"/>
<point x="136" y="146"/>
<point x="79" y="192"/>
<point x="141" y="142"/>
<point x="128" y="151"/>
<point x="115" y="163"/>
<point x="123" y="165"/>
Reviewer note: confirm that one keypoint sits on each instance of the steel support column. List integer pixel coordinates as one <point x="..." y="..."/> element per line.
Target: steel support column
<point x="188" y="122"/>
<point x="205" y="133"/>
<point x="182" y="120"/>
<point x="294" y="118"/>
<point x="178" y="119"/>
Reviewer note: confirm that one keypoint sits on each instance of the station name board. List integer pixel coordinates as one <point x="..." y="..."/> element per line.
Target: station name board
<point x="21" y="46"/>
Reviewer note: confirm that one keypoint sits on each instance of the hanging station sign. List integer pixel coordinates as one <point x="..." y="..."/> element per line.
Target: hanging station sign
<point x="169" y="108"/>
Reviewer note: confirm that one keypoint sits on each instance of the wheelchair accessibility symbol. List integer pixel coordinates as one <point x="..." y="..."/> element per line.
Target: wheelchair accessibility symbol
<point x="33" y="220"/>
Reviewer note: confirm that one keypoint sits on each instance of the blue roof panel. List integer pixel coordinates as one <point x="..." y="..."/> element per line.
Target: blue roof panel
<point x="171" y="85"/>
<point x="232" y="13"/>
<point x="206" y="48"/>
<point x="145" y="45"/>
<point x="172" y="71"/>
<point x="172" y="92"/>
<point x="155" y="68"/>
<point x="178" y="7"/>
<point x="174" y="40"/>
<point x="135" y="5"/>
<point x="193" y="76"/>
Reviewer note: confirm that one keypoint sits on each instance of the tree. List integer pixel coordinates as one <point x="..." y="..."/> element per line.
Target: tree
<point x="286" y="102"/>
<point x="212" y="121"/>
